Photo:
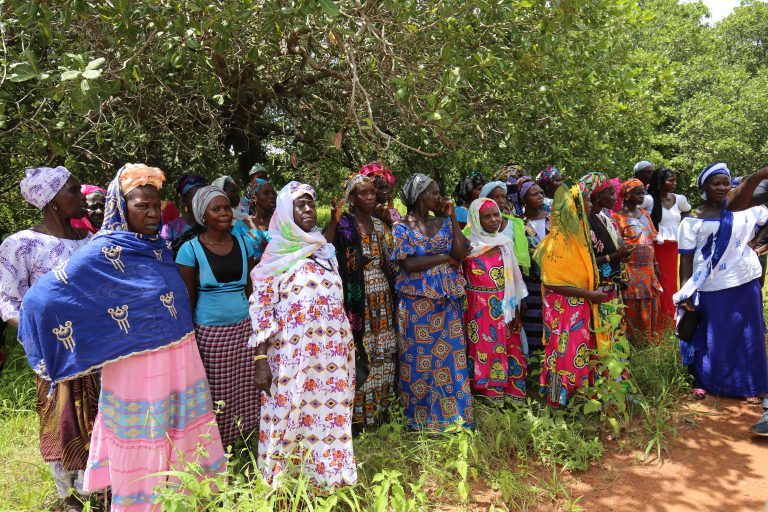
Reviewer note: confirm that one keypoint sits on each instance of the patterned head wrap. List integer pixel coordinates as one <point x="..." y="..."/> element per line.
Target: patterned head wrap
<point x="710" y="171"/>
<point x="524" y="184"/>
<point x="87" y="190"/>
<point x="509" y="173"/>
<point x="547" y="175"/>
<point x="375" y="169"/>
<point x="641" y="166"/>
<point x="138" y="175"/>
<point x="353" y="182"/>
<point x="491" y="186"/>
<point x="222" y="181"/>
<point x="629" y="185"/>
<point x="413" y="188"/>
<point x="481" y="242"/>
<point x="202" y="199"/>
<point x="41" y="184"/>
<point x="189" y="181"/>
<point x="595" y="182"/>
<point x="250" y="192"/>
<point x="256" y="169"/>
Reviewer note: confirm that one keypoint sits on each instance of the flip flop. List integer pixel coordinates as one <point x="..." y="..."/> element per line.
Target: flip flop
<point x="753" y="400"/>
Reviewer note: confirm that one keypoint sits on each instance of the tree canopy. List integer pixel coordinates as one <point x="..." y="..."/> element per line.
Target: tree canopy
<point x="315" y="88"/>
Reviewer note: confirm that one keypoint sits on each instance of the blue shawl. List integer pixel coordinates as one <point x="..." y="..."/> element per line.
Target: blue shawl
<point x="119" y="295"/>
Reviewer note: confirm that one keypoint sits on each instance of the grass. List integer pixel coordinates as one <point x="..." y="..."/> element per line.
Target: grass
<point x="523" y="453"/>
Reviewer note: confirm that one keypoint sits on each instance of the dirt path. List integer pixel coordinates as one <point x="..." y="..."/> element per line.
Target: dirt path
<point x="716" y="465"/>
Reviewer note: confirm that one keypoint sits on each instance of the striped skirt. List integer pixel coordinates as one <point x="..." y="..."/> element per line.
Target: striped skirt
<point x="155" y="415"/>
<point x="229" y="365"/>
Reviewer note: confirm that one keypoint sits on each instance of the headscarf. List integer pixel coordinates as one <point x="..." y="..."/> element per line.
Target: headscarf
<point x="629" y="185"/>
<point x="641" y="166"/>
<point x="595" y="182"/>
<point x="41" y="184"/>
<point x="257" y="168"/>
<point x="353" y="182"/>
<point x="491" y="186"/>
<point x="413" y="188"/>
<point x="547" y="175"/>
<point x="521" y="187"/>
<point x="222" y="181"/>
<point x="138" y="175"/>
<point x="121" y="294"/>
<point x="87" y="190"/>
<point x="84" y="222"/>
<point x="482" y="241"/>
<point x="565" y="255"/>
<point x="202" y="199"/>
<point x="375" y="169"/>
<point x="189" y="181"/>
<point x="710" y="171"/>
<point x="509" y="173"/>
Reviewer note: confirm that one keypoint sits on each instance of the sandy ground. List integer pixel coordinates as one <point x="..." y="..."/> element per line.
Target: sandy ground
<point x="715" y="465"/>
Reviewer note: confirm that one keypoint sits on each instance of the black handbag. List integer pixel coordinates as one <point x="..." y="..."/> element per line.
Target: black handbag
<point x="687" y="325"/>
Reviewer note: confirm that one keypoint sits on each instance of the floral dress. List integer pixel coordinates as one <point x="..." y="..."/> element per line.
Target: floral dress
<point x="497" y="365"/>
<point x="434" y="381"/>
<point x="307" y="422"/>
<point x="643" y="293"/>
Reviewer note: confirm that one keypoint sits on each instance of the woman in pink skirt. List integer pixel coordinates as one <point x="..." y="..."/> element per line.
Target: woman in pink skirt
<point x="120" y="305"/>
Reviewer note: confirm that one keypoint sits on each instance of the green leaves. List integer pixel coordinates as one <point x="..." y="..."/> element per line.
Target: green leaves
<point x="21" y="72"/>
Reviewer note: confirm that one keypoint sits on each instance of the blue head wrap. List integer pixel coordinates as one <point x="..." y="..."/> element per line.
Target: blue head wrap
<point x="710" y="171"/>
<point x="119" y="295"/>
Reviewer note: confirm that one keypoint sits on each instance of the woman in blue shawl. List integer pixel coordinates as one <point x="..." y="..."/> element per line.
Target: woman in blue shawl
<point x="720" y="277"/>
<point x="120" y="305"/>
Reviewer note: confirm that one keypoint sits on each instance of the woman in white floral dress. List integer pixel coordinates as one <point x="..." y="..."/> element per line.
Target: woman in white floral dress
<point x="305" y="350"/>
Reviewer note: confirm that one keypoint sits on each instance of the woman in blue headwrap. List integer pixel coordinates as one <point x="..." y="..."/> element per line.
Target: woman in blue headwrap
<point x="186" y="188"/>
<point x="120" y="305"/>
<point x="262" y="200"/>
<point x="720" y="273"/>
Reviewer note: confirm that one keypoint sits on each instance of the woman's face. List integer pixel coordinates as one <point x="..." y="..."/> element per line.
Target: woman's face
<point x="218" y="214"/>
<point x="94" y="207"/>
<point x="636" y="195"/>
<point x="670" y="184"/>
<point x="143" y="209"/>
<point x="233" y="193"/>
<point x="490" y="219"/>
<point x="383" y="192"/>
<point x="364" y="197"/>
<point x="305" y="213"/>
<point x="69" y="201"/>
<point x="534" y="198"/>
<point x="475" y="194"/>
<point x="717" y="188"/>
<point x="500" y="196"/>
<point x="431" y="198"/>
<point x="265" y="197"/>
<point x="587" y="203"/>
<point x="607" y="198"/>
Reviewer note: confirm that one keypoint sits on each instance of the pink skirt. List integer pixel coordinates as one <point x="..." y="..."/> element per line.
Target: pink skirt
<point x="155" y="412"/>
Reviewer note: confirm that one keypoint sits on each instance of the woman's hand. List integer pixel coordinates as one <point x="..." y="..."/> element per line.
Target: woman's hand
<point x="597" y="297"/>
<point x="263" y="377"/>
<point x="624" y="252"/>
<point x="517" y="324"/>
<point x="453" y="261"/>
<point x="337" y="209"/>
<point x="449" y="207"/>
<point x="687" y="304"/>
<point x="383" y="213"/>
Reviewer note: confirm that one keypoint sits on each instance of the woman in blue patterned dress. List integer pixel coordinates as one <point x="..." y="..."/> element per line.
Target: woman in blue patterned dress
<point x="434" y="382"/>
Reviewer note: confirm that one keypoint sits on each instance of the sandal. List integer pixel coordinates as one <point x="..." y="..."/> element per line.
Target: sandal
<point x="754" y="400"/>
<point x="698" y="394"/>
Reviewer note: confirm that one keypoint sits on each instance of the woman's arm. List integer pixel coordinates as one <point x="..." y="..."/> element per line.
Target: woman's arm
<point x="686" y="268"/>
<point x="742" y="197"/>
<point x="337" y="209"/>
<point x="248" y="284"/>
<point x="189" y="275"/>
<point x="422" y="263"/>
<point x="596" y="297"/>
<point x="459" y="248"/>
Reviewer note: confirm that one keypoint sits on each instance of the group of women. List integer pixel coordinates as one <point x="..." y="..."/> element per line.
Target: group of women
<point x="157" y="340"/>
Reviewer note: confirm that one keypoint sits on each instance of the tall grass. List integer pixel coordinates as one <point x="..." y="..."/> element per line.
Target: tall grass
<point x="519" y="451"/>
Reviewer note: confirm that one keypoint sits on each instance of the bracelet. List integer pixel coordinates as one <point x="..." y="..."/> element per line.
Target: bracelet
<point x="608" y="258"/>
<point x="259" y="357"/>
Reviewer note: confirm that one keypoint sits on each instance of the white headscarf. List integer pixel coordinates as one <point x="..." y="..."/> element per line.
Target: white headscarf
<point x="201" y="200"/>
<point x="41" y="184"/>
<point x="482" y="241"/>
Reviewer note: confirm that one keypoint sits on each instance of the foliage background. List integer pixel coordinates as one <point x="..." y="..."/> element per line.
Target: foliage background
<point x="315" y="88"/>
